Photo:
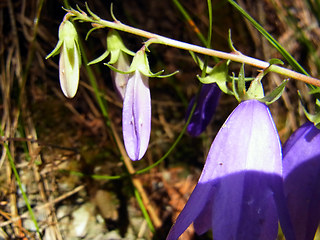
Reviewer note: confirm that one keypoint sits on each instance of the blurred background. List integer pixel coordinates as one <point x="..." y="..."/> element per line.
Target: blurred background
<point x="64" y="151"/>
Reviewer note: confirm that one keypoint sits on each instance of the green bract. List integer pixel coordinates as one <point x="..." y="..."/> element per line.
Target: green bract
<point x="114" y="47"/>
<point x="70" y="58"/>
<point x="219" y="74"/>
<point x="140" y="63"/>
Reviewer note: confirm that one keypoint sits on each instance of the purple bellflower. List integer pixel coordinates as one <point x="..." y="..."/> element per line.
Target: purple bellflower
<point x="136" y="115"/>
<point x="240" y="191"/>
<point x="136" y="111"/>
<point x="207" y="103"/>
<point x="301" y="172"/>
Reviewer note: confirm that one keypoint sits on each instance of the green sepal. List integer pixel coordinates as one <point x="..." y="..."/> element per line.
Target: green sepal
<point x="140" y="62"/>
<point x="114" y="46"/>
<point x="67" y="36"/>
<point x="241" y="84"/>
<point x="117" y="70"/>
<point x="219" y="75"/>
<point x="99" y="59"/>
<point x="255" y="90"/>
<point x="79" y="51"/>
<point x="275" y="61"/>
<point x="114" y="43"/>
<point x="199" y="62"/>
<point x="90" y="31"/>
<point x="56" y="50"/>
<point x="315" y="118"/>
<point x="234" y="88"/>
<point x="275" y="94"/>
<point x="93" y="16"/>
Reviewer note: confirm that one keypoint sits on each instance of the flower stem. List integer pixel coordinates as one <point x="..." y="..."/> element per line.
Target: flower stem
<point x="236" y="57"/>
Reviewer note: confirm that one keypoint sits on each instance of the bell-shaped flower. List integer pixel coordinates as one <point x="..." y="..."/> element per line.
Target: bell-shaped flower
<point x="207" y="102"/>
<point x="240" y="191"/>
<point x="136" y="112"/>
<point x="70" y="58"/>
<point x="136" y="116"/>
<point x="301" y="172"/>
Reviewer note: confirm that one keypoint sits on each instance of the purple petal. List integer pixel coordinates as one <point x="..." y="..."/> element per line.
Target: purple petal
<point x="136" y="116"/>
<point x="196" y="204"/>
<point x="240" y="187"/>
<point x="207" y="103"/>
<point x="248" y="147"/>
<point x="301" y="172"/>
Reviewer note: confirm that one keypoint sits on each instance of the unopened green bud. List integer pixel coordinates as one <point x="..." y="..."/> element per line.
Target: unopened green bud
<point x="70" y="58"/>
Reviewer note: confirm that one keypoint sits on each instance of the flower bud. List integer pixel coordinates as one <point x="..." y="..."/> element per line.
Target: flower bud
<point x="136" y="116"/>
<point x="70" y="58"/>
<point x="207" y="103"/>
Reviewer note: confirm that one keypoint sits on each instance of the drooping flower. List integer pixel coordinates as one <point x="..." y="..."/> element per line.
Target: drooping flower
<point x="301" y="172"/>
<point x="70" y="58"/>
<point x="207" y="103"/>
<point x="240" y="191"/>
<point x="136" y="115"/>
<point x="136" y="111"/>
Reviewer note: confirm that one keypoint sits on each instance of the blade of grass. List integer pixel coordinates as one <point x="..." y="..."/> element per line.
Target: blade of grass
<point x="293" y="63"/>
<point x="144" y="210"/>
<point x="24" y="195"/>
<point x="190" y="21"/>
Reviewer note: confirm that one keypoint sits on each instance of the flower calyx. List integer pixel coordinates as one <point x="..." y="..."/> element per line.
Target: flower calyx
<point x="140" y="63"/>
<point x="115" y="47"/>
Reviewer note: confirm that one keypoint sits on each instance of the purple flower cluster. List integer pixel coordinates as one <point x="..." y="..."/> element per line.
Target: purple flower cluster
<point x="245" y="188"/>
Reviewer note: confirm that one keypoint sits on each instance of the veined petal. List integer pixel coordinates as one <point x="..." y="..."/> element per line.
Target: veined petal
<point x="246" y="157"/>
<point x="240" y="188"/>
<point x="136" y="116"/>
<point x="69" y="70"/>
<point x="301" y="172"/>
<point x="207" y="103"/>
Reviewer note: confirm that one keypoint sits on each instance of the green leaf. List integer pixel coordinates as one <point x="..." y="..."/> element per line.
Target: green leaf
<point x="275" y="94"/>
<point x="219" y="75"/>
